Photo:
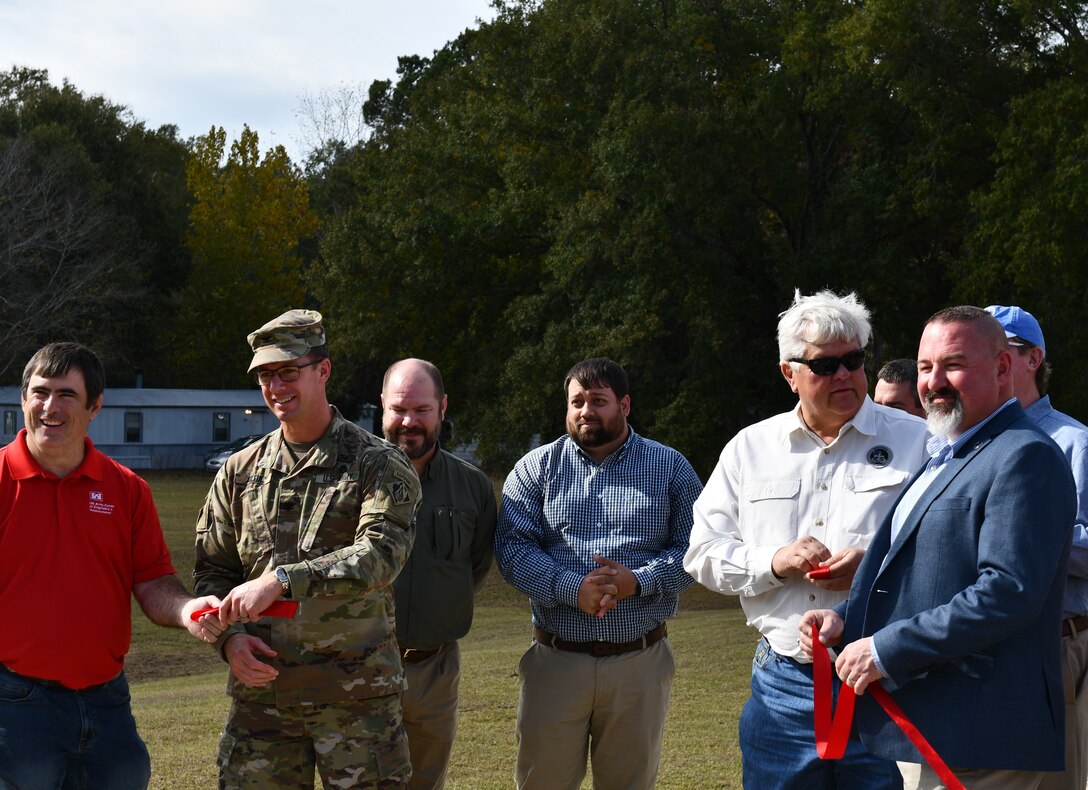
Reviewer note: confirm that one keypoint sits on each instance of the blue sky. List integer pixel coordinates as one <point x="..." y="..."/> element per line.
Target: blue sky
<point x="228" y="62"/>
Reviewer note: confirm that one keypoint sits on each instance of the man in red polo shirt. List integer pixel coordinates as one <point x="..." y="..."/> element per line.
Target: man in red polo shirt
<point x="79" y="535"/>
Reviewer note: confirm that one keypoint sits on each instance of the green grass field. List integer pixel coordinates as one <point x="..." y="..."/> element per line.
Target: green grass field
<point x="180" y="702"/>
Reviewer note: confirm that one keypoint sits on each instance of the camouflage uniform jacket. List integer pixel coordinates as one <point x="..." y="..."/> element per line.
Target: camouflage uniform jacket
<point x="340" y="522"/>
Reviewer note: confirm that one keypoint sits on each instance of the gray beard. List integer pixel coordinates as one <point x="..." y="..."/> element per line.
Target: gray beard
<point x="943" y="423"/>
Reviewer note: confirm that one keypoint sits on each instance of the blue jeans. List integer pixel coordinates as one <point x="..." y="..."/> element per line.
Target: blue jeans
<point x="777" y="738"/>
<point x="51" y="737"/>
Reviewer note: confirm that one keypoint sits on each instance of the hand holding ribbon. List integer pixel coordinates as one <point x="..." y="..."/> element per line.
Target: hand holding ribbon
<point x="833" y="731"/>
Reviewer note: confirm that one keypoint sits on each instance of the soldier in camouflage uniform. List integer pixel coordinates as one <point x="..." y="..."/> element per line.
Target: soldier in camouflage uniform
<point x="320" y="512"/>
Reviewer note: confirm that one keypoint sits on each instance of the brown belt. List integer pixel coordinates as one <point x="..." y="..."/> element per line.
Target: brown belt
<point x="410" y="655"/>
<point x="1075" y="625"/>
<point x="602" y="648"/>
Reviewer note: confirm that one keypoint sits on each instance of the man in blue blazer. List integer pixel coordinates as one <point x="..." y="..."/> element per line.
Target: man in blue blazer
<point x="957" y="606"/>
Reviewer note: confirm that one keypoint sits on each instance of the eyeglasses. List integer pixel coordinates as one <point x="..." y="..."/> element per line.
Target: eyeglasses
<point x="829" y="366"/>
<point x="289" y="373"/>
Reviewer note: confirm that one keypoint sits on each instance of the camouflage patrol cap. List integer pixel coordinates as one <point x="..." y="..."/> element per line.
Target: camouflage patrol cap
<point x="287" y="337"/>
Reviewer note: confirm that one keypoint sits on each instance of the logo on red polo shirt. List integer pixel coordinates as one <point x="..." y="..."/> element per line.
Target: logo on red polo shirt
<point x="98" y="506"/>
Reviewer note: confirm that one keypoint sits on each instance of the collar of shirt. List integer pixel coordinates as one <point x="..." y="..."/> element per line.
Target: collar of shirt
<point x="863" y="421"/>
<point x="436" y="465"/>
<point x="941" y="451"/>
<point x="23" y="465"/>
<point x="322" y="454"/>
<point x="1039" y="409"/>
<point x="940" y="447"/>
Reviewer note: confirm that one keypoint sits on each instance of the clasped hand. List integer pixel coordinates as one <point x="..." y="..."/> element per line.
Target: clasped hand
<point x="605" y="586"/>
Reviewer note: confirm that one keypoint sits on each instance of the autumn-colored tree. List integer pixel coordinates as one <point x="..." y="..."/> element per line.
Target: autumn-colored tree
<point x="249" y="216"/>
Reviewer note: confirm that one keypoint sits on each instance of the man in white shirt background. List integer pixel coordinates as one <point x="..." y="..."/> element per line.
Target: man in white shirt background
<point x="802" y="491"/>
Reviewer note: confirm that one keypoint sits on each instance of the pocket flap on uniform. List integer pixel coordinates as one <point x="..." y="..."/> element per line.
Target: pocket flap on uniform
<point x="772" y="489"/>
<point x="874" y="481"/>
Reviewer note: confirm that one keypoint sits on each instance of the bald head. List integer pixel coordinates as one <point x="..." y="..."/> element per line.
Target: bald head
<point x="410" y="368"/>
<point x="980" y="322"/>
<point x="413" y="407"/>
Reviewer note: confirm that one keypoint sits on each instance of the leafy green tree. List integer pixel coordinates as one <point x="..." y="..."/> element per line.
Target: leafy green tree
<point x="108" y="190"/>
<point x="652" y="180"/>
<point x="506" y="225"/>
<point x="1031" y="244"/>
<point x="248" y="218"/>
<point x="59" y="272"/>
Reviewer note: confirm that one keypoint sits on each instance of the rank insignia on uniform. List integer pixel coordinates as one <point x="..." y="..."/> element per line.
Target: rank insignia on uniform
<point x="880" y="456"/>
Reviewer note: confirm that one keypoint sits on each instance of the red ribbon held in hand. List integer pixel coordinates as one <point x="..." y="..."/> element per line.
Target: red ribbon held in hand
<point x="286" y="609"/>
<point x="832" y="732"/>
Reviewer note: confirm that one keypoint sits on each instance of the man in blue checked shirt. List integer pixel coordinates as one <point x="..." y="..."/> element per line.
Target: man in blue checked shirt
<point x="593" y="528"/>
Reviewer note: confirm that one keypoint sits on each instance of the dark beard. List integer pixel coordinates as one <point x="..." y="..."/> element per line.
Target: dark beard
<point x="429" y="441"/>
<point x="594" y="436"/>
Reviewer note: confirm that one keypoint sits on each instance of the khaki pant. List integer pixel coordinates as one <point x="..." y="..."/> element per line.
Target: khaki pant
<point x="1075" y="674"/>
<point x="357" y="743"/>
<point x="611" y="709"/>
<point x="922" y="777"/>
<point x="430" y="715"/>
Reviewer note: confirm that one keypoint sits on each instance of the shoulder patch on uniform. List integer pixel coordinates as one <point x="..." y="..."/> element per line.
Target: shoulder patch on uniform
<point x="400" y="489"/>
<point x="879" y="456"/>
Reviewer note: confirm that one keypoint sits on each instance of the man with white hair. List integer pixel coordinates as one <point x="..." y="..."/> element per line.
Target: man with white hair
<point x="784" y="522"/>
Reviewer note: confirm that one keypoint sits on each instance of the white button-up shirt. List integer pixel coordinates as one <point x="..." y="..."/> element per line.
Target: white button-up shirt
<point x="777" y="481"/>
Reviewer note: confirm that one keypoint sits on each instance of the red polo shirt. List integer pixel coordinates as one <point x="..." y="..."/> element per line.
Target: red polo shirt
<point x="70" y="551"/>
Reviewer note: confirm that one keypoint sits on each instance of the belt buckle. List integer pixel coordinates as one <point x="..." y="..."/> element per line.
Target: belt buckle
<point x="602" y="649"/>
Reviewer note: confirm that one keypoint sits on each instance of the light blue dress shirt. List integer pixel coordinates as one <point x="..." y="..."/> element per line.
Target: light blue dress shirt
<point x="1072" y="437"/>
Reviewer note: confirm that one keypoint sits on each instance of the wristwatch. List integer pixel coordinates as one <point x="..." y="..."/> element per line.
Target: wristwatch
<point x="282" y="577"/>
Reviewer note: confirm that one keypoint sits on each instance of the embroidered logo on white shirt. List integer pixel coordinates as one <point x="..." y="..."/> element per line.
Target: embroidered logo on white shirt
<point x="880" y="456"/>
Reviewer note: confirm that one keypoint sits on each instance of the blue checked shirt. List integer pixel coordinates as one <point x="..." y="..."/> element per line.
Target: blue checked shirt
<point x="559" y="507"/>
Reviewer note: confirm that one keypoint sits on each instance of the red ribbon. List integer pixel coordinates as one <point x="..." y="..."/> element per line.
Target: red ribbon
<point x="832" y="731"/>
<point x="286" y="609"/>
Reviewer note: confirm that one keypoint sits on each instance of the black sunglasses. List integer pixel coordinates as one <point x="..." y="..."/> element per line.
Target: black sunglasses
<point x="828" y="366"/>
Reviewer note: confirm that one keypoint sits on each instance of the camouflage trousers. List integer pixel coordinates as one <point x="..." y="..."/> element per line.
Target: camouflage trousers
<point x="357" y="743"/>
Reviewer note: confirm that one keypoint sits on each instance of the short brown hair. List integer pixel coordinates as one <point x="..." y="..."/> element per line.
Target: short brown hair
<point x="598" y="371"/>
<point x="969" y="314"/>
<point x="56" y="359"/>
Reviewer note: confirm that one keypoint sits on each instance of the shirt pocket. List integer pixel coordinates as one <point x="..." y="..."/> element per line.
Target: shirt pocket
<point x="772" y="510"/>
<point x="257" y="536"/>
<point x="453" y="531"/>
<point x="332" y="522"/>
<point x="873" y="493"/>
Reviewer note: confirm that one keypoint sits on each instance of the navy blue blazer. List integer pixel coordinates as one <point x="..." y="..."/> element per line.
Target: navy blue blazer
<point x="966" y="611"/>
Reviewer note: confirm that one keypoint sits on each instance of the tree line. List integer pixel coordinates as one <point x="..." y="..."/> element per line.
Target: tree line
<point x="644" y="180"/>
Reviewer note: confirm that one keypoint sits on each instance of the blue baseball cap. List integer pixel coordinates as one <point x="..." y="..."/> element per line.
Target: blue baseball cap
<point x="1018" y="322"/>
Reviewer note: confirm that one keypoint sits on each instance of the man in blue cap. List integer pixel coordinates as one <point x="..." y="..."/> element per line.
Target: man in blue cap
<point x="1031" y="375"/>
